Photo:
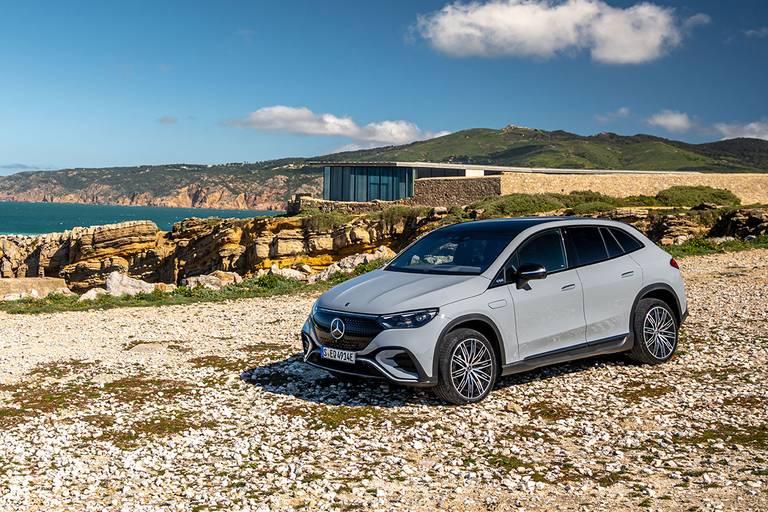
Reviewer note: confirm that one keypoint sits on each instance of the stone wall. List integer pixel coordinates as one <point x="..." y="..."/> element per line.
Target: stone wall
<point x="750" y="188"/>
<point x="455" y="191"/>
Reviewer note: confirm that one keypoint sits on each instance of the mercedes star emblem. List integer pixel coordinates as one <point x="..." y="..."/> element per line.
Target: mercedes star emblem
<point x="337" y="328"/>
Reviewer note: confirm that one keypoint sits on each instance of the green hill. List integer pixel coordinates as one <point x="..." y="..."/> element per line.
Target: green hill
<point x="526" y="147"/>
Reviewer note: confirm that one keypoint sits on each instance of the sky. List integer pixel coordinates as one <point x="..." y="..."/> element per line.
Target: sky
<point x="94" y="83"/>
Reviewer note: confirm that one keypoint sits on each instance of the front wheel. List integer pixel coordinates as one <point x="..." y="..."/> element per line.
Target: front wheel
<point x="655" y="331"/>
<point x="467" y="367"/>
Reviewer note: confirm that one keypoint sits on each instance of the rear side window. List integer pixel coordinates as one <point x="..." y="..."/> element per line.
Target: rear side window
<point x="587" y="245"/>
<point x="544" y="249"/>
<point x="614" y="249"/>
<point x="627" y="241"/>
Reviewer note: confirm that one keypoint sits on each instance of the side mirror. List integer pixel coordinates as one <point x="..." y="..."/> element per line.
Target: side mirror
<point x="529" y="272"/>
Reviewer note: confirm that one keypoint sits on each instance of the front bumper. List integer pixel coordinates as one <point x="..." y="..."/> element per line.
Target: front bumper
<point x="402" y="356"/>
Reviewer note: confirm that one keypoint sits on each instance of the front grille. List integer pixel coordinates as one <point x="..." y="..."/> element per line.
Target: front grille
<point x="358" y="332"/>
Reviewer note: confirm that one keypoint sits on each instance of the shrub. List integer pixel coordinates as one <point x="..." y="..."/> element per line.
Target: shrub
<point x="394" y="215"/>
<point x="591" y="207"/>
<point x="581" y="197"/>
<point x="518" y="204"/>
<point x="315" y="220"/>
<point x="691" y="196"/>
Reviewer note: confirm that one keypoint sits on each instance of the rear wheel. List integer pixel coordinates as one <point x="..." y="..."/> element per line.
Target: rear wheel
<point x="467" y="367"/>
<point x="655" y="330"/>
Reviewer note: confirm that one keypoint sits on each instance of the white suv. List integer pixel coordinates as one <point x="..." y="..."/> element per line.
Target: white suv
<point x="470" y="302"/>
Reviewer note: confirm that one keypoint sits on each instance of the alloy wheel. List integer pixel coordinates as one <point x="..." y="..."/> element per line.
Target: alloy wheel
<point x="659" y="332"/>
<point x="471" y="368"/>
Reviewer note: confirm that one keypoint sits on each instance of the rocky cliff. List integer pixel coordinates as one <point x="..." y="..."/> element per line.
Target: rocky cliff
<point x="85" y="256"/>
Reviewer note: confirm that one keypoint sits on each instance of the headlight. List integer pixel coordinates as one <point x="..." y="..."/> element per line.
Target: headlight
<point x="314" y="309"/>
<point x="408" y="319"/>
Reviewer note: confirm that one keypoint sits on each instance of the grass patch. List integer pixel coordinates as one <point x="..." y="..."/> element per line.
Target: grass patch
<point x="505" y="462"/>
<point x="702" y="246"/>
<point x="548" y="411"/>
<point x="750" y="436"/>
<point x="638" y="390"/>
<point x="219" y="363"/>
<point x="169" y="424"/>
<point x="137" y="390"/>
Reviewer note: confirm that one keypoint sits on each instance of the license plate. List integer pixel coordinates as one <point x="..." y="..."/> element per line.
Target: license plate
<point x="345" y="356"/>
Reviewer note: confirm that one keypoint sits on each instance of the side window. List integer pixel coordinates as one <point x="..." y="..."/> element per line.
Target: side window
<point x="627" y="241"/>
<point x="614" y="249"/>
<point x="587" y="245"/>
<point x="543" y="249"/>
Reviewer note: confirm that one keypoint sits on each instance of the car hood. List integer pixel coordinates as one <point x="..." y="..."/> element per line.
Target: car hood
<point x="381" y="291"/>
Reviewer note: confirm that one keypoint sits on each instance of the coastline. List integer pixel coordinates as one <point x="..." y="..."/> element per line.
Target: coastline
<point x="29" y="218"/>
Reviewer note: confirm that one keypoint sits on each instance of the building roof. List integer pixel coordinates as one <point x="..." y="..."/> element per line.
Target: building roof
<point x="498" y="168"/>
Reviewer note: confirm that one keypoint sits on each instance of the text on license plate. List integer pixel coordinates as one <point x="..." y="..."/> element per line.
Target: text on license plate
<point x="345" y="356"/>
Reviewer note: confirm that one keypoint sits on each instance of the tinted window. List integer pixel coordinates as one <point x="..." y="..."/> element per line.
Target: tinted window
<point x="544" y="249"/>
<point x="627" y="241"/>
<point x="614" y="249"/>
<point x="587" y="244"/>
<point x="450" y="252"/>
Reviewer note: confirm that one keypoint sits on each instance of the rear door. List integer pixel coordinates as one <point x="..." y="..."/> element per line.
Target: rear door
<point x="549" y="313"/>
<point x="609" y="277"/>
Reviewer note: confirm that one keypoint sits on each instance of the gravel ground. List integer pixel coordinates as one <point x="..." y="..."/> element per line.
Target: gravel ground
<point x="145" y="409"/>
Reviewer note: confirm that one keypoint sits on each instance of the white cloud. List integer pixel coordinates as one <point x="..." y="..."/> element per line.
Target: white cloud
<point x="757" y="33"/>
<point x="755" y="129"/>
<point x="620" y="113"/>
<point x="280" y="118"/>
<point x="168" y="120"/>
<point x="672" y="121"/>
<point x="544" y="28"/>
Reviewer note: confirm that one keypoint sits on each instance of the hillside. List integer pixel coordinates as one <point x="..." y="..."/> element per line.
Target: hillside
<point x="229" y="186"/>
<point x="267" y="185"/>
<point x="526" y="147"/>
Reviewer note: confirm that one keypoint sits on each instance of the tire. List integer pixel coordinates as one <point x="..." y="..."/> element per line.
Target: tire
<point x="455" y="350"/>
<point x="655" y="332"/>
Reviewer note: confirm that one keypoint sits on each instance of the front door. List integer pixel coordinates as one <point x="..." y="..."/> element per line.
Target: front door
<point x="549" y="313"/>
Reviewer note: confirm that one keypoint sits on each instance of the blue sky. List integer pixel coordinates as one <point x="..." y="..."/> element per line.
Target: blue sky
<point x="124" y="83"/>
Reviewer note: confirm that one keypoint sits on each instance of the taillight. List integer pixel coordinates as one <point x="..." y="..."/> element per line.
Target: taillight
<point x="673" y="262"/>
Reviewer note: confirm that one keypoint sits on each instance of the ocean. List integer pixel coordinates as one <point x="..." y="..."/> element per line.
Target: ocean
<point x="38" y="218"/>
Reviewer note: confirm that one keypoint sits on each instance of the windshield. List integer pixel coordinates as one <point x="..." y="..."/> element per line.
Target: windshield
<point x="446" y="252"/>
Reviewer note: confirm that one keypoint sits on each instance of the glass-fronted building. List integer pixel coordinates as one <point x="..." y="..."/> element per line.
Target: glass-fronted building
<point x="367" y="183"/>
<point x="385" y="181"/>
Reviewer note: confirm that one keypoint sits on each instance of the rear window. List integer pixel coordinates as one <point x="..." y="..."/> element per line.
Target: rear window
<point x="614" y="249"/>
<point x="627" y="241"/>
<point x="587" y="245"/>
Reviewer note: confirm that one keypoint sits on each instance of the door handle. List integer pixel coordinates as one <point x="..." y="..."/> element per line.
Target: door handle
<point x="568" y="287"/>
<point x="628" y="274"/>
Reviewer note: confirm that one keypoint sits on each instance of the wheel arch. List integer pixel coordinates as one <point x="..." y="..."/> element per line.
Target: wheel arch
<point x="479" y="323"/>
<point x="662" y="292"/>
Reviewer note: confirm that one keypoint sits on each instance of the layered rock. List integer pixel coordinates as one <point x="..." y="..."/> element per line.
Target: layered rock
<point x="84" y="257"/>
